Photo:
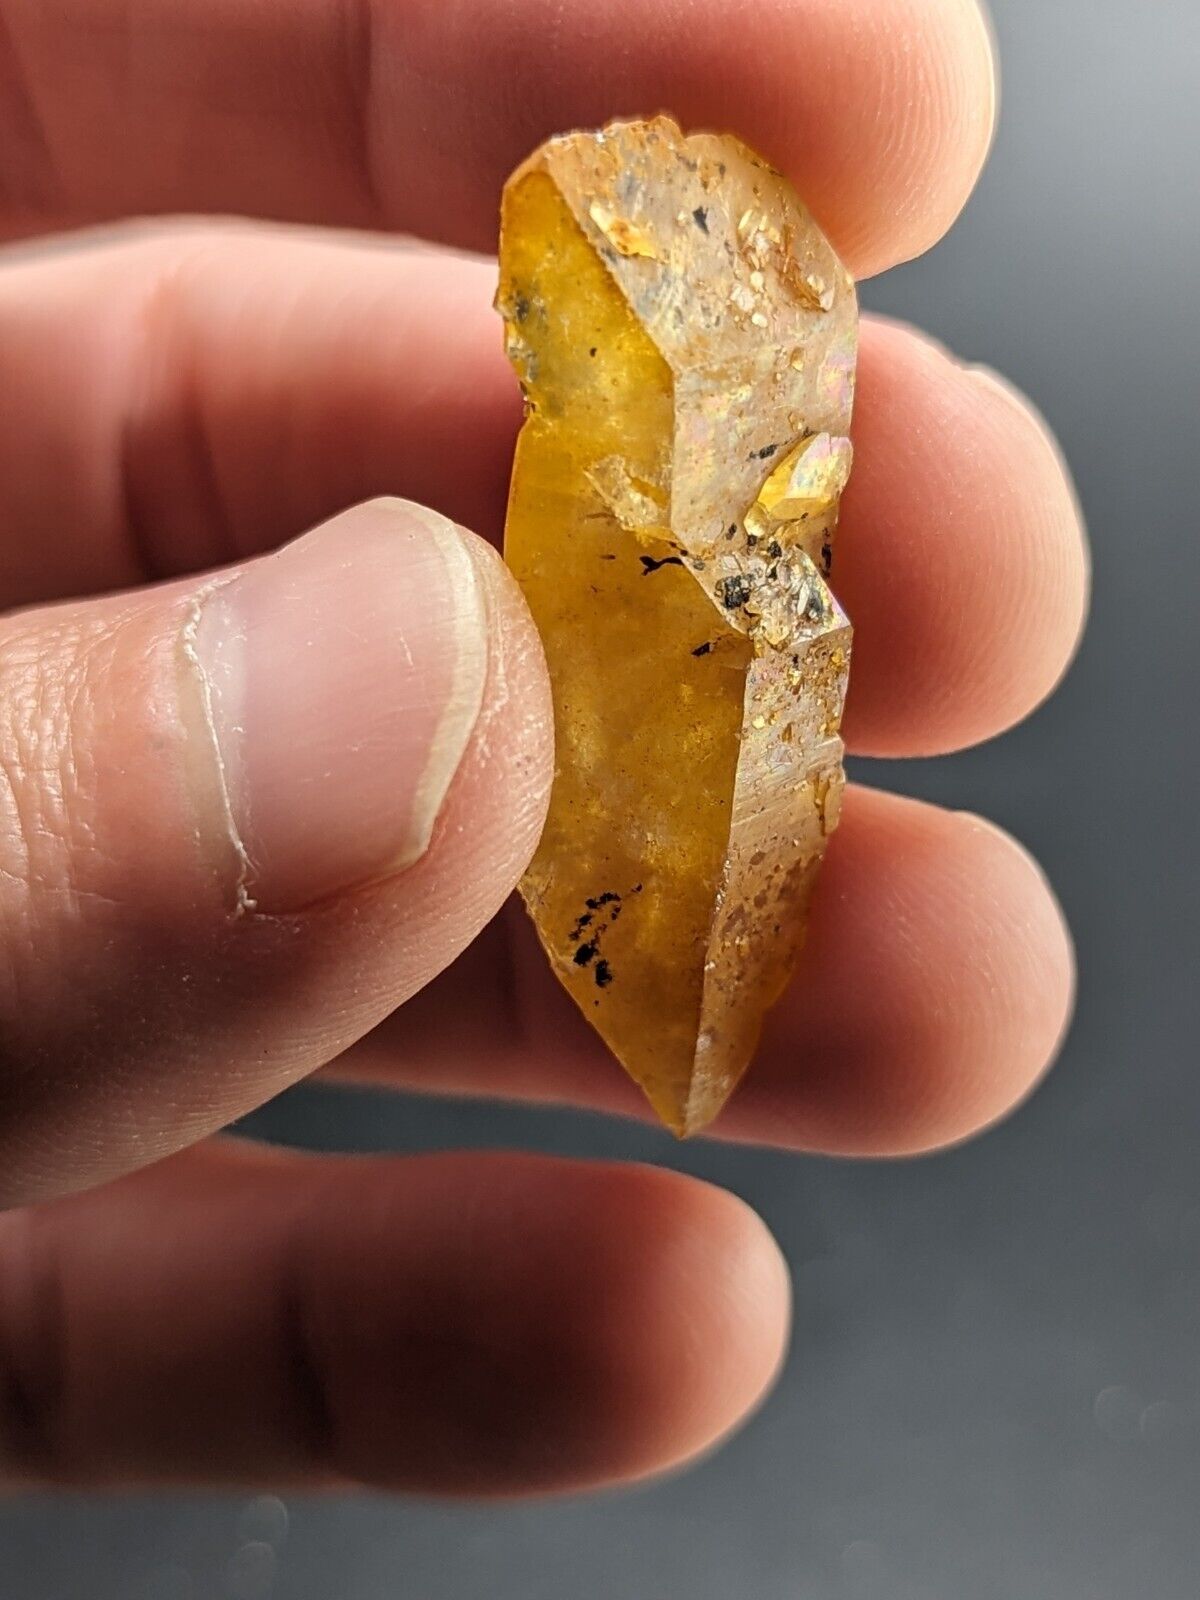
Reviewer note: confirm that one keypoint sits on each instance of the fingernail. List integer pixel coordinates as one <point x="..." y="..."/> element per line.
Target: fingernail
<point x="341" y="678"/>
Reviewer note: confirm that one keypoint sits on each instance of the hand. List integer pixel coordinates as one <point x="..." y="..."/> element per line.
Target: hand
<point x="250" y="803"/>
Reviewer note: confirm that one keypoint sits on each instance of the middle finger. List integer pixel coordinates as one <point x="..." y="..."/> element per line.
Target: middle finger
<point x="175" y="402"/>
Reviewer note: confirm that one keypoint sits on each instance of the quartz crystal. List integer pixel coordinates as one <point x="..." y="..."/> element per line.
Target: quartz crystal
<point x="685" y="338"/>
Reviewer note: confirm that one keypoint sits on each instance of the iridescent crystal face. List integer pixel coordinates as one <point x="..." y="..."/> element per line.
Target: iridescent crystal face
<point x="686" y="338"/>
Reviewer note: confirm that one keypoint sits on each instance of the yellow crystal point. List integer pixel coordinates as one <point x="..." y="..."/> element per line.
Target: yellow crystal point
<point x="685" y="337"/>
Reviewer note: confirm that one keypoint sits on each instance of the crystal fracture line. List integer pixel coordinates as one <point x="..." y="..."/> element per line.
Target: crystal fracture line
<point x="685" y="338"/>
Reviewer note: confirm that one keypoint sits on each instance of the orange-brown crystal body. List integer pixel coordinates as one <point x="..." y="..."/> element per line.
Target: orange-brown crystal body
<point x="686" y="338"/>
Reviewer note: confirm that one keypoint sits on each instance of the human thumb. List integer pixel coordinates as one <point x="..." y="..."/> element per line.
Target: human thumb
<point x="244" y="817"/>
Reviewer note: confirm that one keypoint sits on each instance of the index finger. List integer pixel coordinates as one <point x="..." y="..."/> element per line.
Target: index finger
<point x="408" y="114"/>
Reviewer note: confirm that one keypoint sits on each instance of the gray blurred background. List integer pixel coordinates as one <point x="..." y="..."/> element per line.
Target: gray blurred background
<point x="994" y="1389"/>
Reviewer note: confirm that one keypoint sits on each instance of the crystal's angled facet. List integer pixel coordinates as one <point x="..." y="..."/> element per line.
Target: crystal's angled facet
<point x="685" y="337"/>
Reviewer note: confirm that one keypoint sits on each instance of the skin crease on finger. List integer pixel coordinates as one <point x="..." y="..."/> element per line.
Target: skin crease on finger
<point x="357" y="371"/>
<point x="397" y="114"/>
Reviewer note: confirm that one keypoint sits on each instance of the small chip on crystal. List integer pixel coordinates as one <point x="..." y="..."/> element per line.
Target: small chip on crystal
<point x="621" y="233"/>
